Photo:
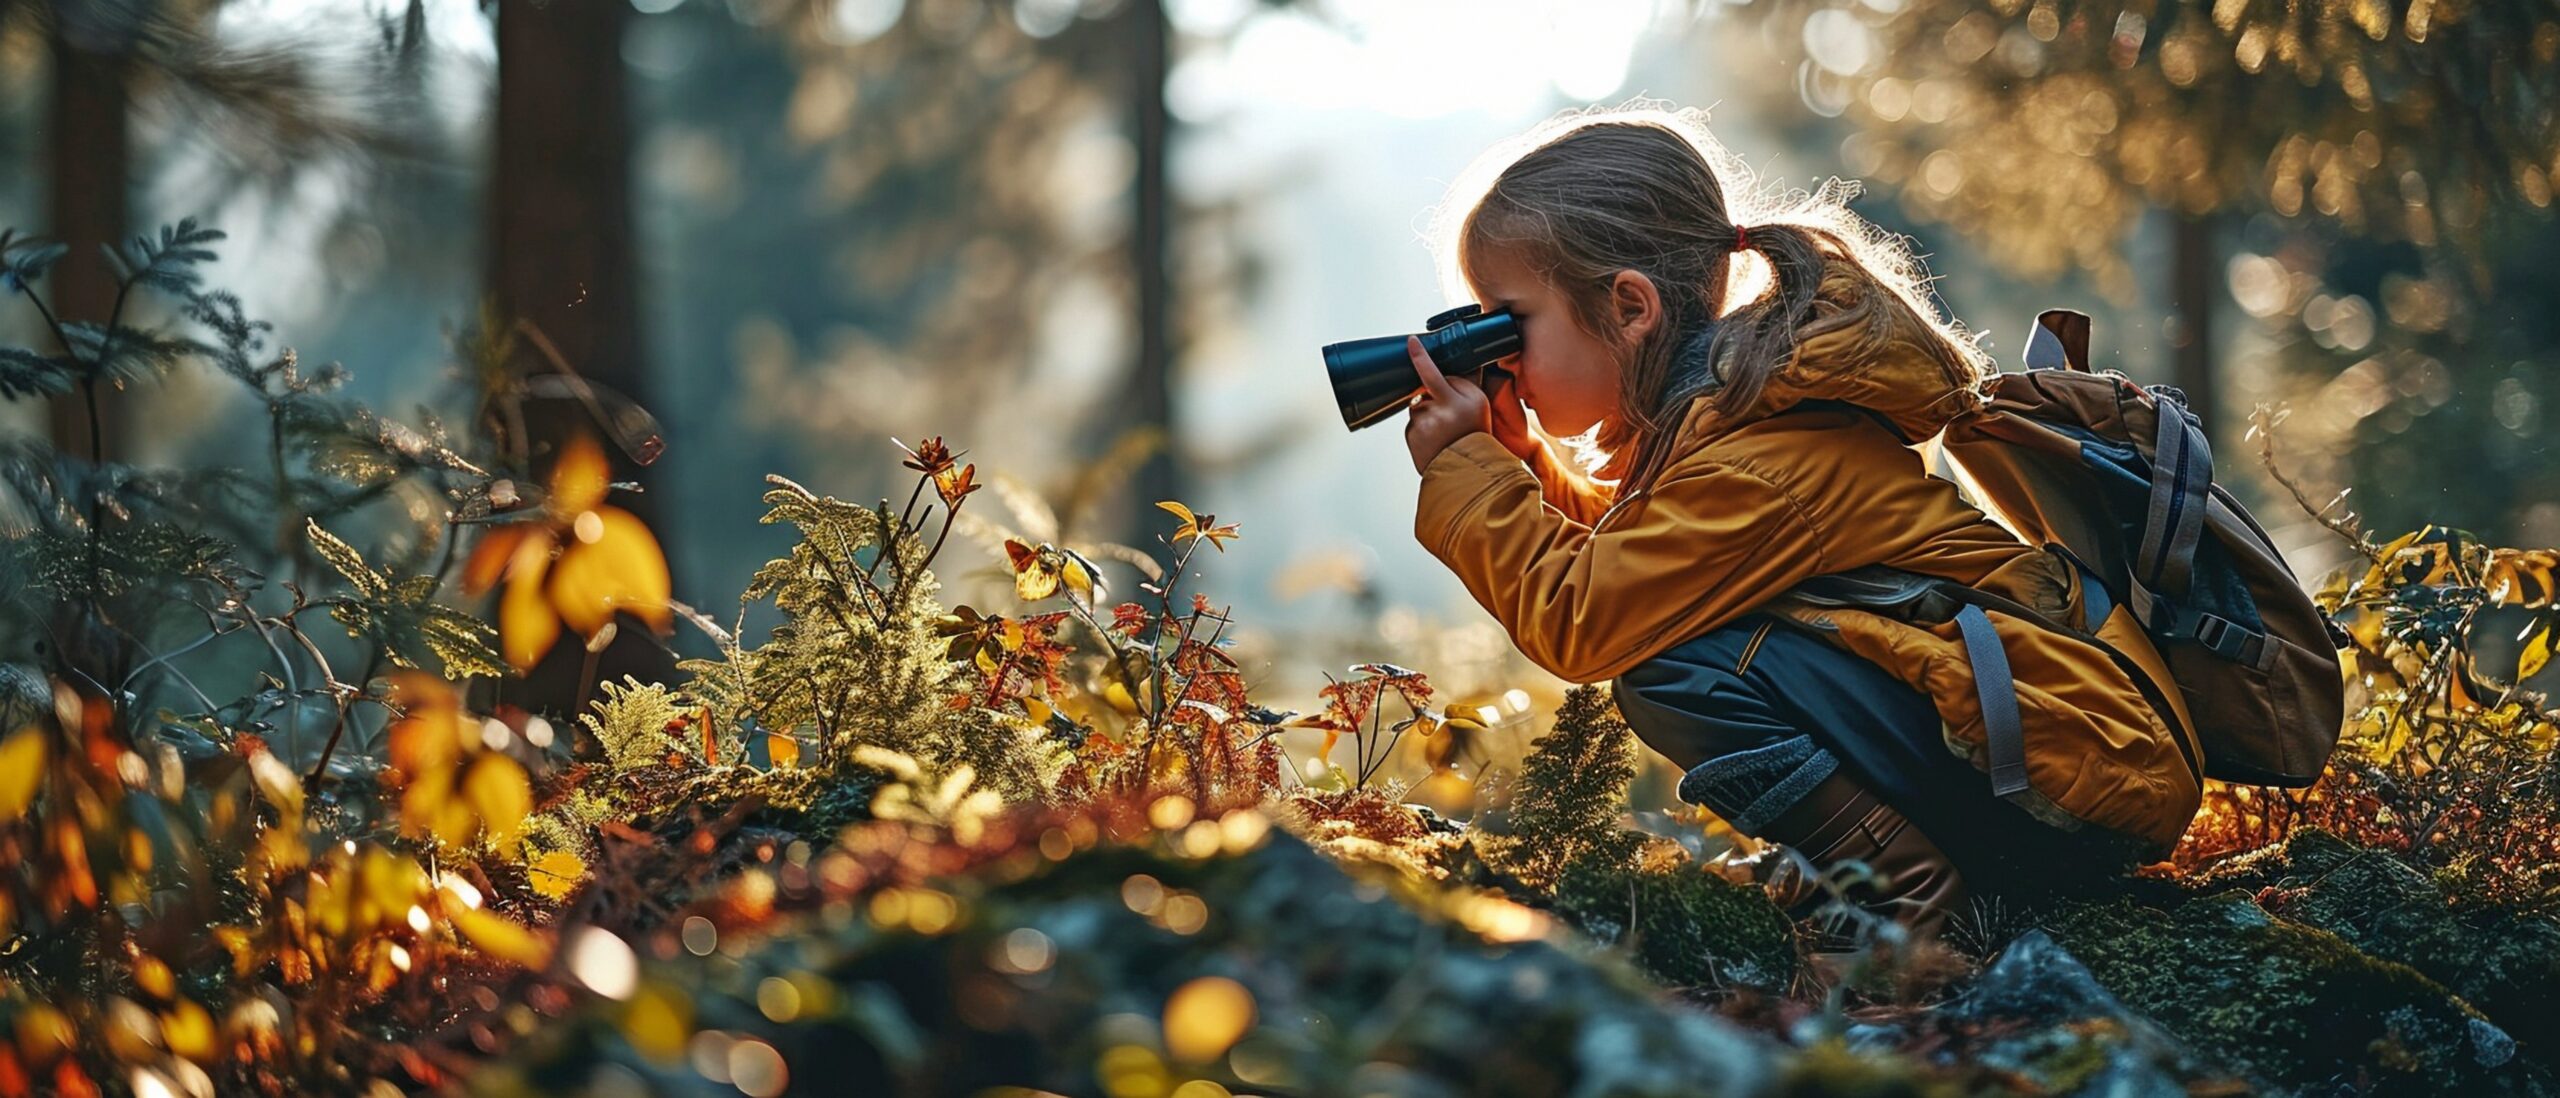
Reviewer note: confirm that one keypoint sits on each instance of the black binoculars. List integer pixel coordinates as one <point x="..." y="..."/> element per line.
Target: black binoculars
<point x="1373" y="378"/>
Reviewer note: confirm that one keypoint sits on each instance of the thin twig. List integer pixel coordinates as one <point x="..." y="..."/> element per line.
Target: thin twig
<point x="2347" y="529"/>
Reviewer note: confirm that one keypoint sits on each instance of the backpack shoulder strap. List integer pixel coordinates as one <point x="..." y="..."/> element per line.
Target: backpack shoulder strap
<point x="1916" y="597"/>
<point x="2181" y="478"/>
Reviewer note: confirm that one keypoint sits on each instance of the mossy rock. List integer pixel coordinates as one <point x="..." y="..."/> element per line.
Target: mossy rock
<point x="1831" y="1069"/>
<point x="1059" y="977"/>
<point x="1683" y="925"/>
<point x="2297" y="1007"/>
<point x="2504" y="963"/>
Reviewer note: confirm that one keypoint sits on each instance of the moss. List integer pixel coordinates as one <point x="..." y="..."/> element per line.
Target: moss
<point x="1685" y="926"/>
<point x="1351" y="992"/>
<point x="2498" y="961"/>
<point x="2503" y="963"/>
<point x="2296" y="1006"/>
<point x="1834" y="1070"/>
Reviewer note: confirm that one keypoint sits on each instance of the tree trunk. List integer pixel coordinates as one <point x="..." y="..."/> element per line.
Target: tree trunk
<point x="561" y="257"/>
<point x="2193" y="292"/>
<point x="560" y="247"/>
<point x="91" y="149"/>
<point x="1151" y="393"/>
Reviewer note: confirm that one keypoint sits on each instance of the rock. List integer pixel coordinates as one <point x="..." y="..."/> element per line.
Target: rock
<point x="1058" y="980"/>
<point x="2298" y="1008"/>
<point x="2506" y="964"/>
<point x="2079" y="1038"/>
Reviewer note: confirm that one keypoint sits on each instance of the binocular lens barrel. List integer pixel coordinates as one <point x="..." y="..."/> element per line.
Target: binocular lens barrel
<point x="1373" y="378"/>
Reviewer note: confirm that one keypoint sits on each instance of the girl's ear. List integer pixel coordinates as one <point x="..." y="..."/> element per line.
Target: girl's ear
<point x="1637" y="305"/>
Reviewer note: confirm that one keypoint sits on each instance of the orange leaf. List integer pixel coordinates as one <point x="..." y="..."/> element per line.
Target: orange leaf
<point x="427" y="740"/>
<point x="491" y="556"/>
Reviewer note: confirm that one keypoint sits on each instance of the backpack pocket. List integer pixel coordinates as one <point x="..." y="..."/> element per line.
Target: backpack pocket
<point x="2289" y="734"/>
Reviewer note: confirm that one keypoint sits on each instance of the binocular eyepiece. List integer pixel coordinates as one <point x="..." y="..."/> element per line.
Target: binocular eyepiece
<point x="1373" y="378"/>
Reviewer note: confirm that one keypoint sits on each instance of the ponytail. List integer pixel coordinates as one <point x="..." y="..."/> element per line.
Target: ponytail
<point x="1605" y="191"/>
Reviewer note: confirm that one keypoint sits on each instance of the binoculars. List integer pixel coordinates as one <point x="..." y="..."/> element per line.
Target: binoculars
<point x="1373" y="378"/>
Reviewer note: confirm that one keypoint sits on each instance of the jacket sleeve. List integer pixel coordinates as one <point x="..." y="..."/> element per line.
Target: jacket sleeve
<point x="1707" y="544"/>
<point x="1566" y="489"/>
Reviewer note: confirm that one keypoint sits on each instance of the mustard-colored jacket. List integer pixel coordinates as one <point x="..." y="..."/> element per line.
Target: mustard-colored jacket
<point x="1589" y="585"/>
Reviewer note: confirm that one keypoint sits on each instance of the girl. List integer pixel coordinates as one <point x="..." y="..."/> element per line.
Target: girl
<point x="1673" y="335"/>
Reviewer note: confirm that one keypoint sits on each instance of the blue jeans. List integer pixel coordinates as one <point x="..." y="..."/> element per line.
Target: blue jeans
<point x="1759" y="711"/>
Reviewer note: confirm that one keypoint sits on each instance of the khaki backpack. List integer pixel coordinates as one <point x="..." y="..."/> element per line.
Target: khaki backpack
<point x="2117" y="479"/>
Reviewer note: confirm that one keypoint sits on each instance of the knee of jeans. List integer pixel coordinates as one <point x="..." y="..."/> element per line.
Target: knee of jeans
<point x="1751" y="788"/>
<point x="1691" y="713"/>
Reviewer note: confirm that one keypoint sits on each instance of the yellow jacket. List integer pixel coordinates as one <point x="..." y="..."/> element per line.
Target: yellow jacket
<point x="1589" y="585"/>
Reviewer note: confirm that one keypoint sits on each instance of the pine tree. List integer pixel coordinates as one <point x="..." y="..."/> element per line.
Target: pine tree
<point x="1565" y="804"/>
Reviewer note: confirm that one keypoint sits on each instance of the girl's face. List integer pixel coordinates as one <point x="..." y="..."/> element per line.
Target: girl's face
<point x="1566" y="375"/>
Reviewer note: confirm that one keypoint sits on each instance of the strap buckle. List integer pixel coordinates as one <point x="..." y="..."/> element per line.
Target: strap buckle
<point x="2226" y="638"/>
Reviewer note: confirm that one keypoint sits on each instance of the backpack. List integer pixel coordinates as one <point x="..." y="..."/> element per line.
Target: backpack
<point x="2117" y="479"/>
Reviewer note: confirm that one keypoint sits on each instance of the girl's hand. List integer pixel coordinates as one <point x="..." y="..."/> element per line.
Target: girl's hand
<point x="1448" y="409"/>
<point x="1508" y="420"/>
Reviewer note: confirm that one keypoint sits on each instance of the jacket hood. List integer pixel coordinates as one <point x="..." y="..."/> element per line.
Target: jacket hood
<point x="1863" y="348"/>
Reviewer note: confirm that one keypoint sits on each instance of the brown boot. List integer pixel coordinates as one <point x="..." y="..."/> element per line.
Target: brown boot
<point x="1840" y="820"/>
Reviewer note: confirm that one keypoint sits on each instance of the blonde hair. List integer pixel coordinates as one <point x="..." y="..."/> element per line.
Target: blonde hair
<point x="1637" y="187"/>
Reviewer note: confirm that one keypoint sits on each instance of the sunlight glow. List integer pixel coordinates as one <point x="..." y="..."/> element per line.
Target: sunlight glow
<point x="1421" y="59"/>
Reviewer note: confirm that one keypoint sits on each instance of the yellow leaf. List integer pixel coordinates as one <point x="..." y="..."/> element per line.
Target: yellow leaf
<point x="785" y="750"/>
<point x="1178" y="511"/>
<point x="1036" y="582"/>
<point x="500" y="938"/>
<point x="2367" y="628"/>
<point x="498" y="791"/>
<point x="152" y="975"/>
<point x="21" y="771"/>
<point x="392" y="882"/>
<point x="423" y="803"/>
<point x="620" y="569"/>
<point x="1119" y="698"/>
<point x="188" y="1029"/>
<point x="578" y="478"/>
<point x="527" y="626"/>
<point x="282" y="787"/>
<point x="555" y="875"/>
<point x="2537" y="652"/>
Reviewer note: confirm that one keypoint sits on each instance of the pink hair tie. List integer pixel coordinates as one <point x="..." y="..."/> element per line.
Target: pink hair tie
<point x="1741" y="238"/>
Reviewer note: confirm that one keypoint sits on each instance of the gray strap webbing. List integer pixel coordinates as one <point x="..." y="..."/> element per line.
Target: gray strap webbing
<point x="2144" y="607"/>
<point x="1998" y="692"/>
<point x="2181" y="474"/>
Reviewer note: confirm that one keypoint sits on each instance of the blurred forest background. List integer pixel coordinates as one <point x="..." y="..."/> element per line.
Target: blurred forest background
<point x="1097" y="242"/>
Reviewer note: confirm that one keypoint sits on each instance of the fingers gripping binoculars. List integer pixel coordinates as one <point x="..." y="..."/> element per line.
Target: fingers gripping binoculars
<point x="1374" y="378"/>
